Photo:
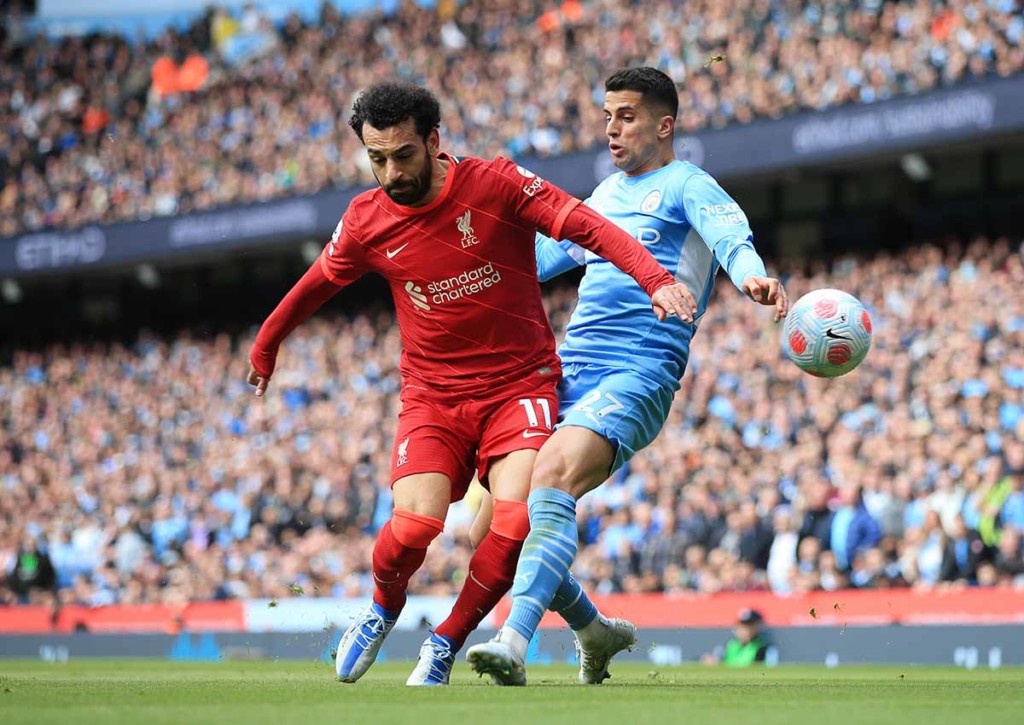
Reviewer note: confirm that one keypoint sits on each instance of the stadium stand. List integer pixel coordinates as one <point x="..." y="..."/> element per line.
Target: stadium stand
<point x="146" y="472"/>
<point x="98" y="129"/>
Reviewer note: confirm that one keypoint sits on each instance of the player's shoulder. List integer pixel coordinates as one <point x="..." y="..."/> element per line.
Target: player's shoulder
<point x="680" y="172"/>
<point x="359" y="218"/>
<point x="469" y="168"/>
<point x="687" y="181"/>
<point x="500" y="164"/>
<point x="364" y="200"/>
<point x="498" y="177"/>
<point x="467" y="162"/>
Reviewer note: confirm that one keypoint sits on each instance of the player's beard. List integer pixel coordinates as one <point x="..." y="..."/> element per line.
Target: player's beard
<point x="409" y="192"/>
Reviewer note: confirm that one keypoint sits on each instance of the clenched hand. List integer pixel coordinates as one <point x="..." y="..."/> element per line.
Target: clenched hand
<point x="258" y="380"/>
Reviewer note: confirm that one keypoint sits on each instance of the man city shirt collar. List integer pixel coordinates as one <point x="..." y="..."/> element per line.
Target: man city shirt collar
<point x="642" y="178"/>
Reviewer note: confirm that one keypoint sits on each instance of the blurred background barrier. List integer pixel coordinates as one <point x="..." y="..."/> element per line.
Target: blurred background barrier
<point x="839" y="609"/>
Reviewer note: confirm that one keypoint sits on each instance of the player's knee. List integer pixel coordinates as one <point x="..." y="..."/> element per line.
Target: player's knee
<point x="415" y="531"/>
<point x="553" y="469"/>
<point x="576" y="474"/>
<point x="511" y="519"/>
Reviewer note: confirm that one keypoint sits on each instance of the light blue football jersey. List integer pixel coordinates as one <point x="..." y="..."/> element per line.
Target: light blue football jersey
<point x="691" y="226"/>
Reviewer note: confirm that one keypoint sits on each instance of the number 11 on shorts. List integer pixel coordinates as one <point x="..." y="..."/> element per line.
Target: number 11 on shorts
<point x="531" y="411"/>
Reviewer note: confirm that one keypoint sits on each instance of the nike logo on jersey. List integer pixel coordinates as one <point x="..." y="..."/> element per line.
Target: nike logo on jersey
<point x="392" y="252"/>
<point x="834" y="336"/>
<point x="534" y="434"/>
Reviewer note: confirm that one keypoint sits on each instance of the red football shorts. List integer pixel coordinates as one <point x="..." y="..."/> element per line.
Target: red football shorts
<point x="438" y="434"/>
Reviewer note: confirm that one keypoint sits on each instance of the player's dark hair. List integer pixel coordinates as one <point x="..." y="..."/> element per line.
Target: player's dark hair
<point x="657" y="88"/>
<point x="389" y="103"/>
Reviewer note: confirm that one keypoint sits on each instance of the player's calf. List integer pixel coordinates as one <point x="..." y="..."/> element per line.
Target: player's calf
<point x="400" y="549"/>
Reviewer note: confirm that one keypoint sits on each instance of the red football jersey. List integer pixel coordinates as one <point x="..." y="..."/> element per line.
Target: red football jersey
<point x="462" y="271"/>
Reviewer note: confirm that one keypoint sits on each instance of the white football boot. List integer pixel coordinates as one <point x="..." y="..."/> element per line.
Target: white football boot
<point x="358" y="647"/>
<point x="500" y="660"/>
<point x="595" y="647"/>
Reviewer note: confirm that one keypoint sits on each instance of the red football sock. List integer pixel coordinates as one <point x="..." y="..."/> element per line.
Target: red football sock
<point x="393" y="566"/>
<point x="491" y="571"/>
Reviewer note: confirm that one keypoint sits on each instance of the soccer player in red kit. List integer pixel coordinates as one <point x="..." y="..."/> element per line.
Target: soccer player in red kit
<point x="454" y="238"/>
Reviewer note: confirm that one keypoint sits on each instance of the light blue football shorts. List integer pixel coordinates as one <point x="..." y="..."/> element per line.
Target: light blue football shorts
<point x="623" y="406"/>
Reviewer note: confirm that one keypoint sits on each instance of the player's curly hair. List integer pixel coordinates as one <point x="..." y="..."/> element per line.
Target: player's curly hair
<point x="656" y="87"/>
<point x="389" y="103"/>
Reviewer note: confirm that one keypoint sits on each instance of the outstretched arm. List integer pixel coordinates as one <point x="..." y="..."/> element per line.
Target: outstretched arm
<point x="340" y="264"/>
<point x="305" y="298"/>
<point x="561" y="216"/>
<point x="589" y="229"/>
<point x="724" y="228"/>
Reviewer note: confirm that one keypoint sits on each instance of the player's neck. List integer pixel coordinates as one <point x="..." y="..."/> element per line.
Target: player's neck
<point x="438" y="177"/>
<point x="659" y="161"/>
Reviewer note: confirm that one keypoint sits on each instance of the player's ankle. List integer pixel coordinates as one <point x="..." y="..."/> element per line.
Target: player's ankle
<point x="592" y="630"/>
<point x="515" y="640"/>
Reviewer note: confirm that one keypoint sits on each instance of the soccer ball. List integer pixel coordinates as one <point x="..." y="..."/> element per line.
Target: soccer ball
<point x="827" y="333"/>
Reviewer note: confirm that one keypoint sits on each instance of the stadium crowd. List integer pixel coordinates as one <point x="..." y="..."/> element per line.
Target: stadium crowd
<point x="149" y="472"/>
<point x="98" y="129"/>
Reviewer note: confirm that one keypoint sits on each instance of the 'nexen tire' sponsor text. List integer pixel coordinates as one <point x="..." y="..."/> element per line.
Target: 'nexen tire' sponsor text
<point x="725" y="213"/>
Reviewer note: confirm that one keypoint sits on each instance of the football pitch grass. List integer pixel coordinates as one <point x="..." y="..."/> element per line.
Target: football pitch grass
<point x="145" y="692"/>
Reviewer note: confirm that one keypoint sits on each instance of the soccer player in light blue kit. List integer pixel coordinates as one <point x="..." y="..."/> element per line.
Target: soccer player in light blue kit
<point x="621" y="367"/>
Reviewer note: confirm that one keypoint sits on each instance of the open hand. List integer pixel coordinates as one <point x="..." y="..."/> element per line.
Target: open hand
<point x="674" y="299"/>
<point x="768" y="291"/>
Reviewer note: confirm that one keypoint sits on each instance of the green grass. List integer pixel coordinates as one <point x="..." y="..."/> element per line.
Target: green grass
<point x="281" y="693"/>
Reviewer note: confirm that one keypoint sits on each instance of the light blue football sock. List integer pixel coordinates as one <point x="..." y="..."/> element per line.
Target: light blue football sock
<point x="548" y="552"/>
<point x="573" y="604"/>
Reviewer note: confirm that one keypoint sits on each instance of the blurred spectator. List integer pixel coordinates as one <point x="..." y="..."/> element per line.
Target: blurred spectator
<point x="782" y="560"/>
<point x="963" y="553"/>
<point x="817" y="521"/>
<point x="1011" y="513"/>
<point x="1009" y="558"/>
<point x="931" y="544"/>
<point x="755" y="539"/>
<point x="853" y="528"/>
<point x="866" y="569"/>
<point x="32" y="569"/>
<point x="747" y="646"/>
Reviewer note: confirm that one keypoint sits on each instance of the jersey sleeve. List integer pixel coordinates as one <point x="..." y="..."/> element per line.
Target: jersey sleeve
<point x="536" y="201"/>
<point x="723" y="226"/>
<point x="555" y="258"/>
<point x="558" y="257"/>
<point x="557" y="213"/>
<point x="342" y="260"/>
